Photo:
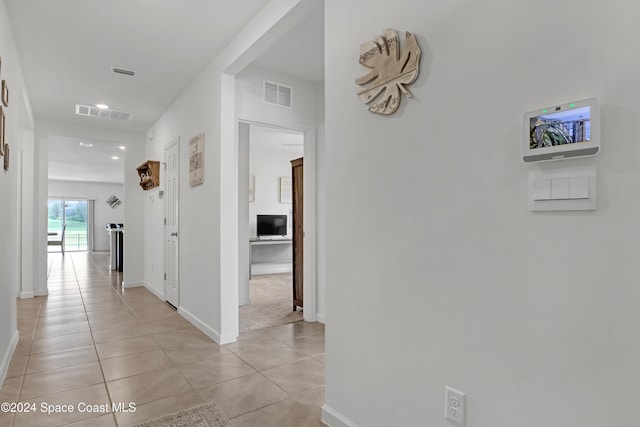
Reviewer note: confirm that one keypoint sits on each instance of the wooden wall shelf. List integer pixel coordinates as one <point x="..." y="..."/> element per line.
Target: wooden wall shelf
<point x="149" y="173"/>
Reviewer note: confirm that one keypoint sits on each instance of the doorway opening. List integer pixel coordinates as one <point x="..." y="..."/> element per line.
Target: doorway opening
<point x="266" y="220"/>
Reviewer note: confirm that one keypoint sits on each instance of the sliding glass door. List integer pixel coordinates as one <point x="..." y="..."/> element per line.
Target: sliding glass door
<point x="75" y="214"/>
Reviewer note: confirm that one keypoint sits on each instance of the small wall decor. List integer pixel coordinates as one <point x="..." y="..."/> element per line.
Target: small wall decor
<point x="149" y="173"/>
<point x="5" y="93"/>
<point x="114" y="202"/>
<point x="285" y="189"/>
<point x="390" y="72"/>
<point x="6" y="158"/>
<point x="1" y="131"/>
<point x="196" y="160"/>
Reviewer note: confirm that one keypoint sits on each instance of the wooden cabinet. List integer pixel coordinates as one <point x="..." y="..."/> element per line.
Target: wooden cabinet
<point x="298" y="231"/>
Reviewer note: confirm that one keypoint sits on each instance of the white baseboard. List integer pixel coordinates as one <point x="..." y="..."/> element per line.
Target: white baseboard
<point x="334" y="419"/>
<point x="6" y="360"/>
<point x="127" y="285"/>
<point x="210" y="332"/>
<point x="25" y="295"/>
<point x="321" y="318"/>
<point x="41" y="293"/>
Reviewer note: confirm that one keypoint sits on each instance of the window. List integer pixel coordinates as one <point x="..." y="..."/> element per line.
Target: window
<point x="77" y="215"/>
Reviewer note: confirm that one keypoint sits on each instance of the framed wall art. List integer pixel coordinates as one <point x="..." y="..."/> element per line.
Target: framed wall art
<point x="252" y="188"/>
<point x="196" y="160"/>
<point x="1" y="131"/>
<point x="5" y="93"/>
<point x="114" y="202"/>
<point x="285" y="189"/>
<point x="6" y="157"/>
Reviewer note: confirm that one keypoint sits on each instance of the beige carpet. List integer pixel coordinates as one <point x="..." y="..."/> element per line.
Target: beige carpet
<point x="271" y="302"/>
<point x="207" y="415"/>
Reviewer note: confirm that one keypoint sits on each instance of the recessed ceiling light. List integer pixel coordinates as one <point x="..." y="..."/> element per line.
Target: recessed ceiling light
<point x="86" y="144"/>
<point x="115" y="157"/>
<point x="102" y="106"/>
<point x="122" y="147"/>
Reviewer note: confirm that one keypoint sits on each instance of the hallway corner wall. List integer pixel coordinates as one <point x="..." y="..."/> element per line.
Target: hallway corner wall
<point x="19" y="132"/>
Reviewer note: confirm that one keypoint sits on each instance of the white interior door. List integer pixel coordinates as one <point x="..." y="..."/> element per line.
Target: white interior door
<point x="171" y="284"/>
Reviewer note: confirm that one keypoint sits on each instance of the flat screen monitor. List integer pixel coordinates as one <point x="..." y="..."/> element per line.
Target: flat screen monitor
<point x="562" y="131"/>
<point x="271" y="225"/>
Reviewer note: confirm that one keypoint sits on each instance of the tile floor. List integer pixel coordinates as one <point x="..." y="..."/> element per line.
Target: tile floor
<point x="93" y="342"/>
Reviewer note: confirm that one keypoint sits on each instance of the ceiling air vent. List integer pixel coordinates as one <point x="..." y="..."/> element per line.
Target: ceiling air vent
<point x="124" y="71"/>
<point x="90" y="111"/>
<point x="275" y="93"/>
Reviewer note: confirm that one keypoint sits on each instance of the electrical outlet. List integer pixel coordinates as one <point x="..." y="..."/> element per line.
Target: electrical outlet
<point x="455" y="405"/>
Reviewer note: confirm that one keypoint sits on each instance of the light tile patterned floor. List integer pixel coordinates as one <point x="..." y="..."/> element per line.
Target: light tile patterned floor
<point x="90" y="342"/>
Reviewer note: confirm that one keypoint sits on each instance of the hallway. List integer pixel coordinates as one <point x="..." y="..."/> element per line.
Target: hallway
<point x="91" y="341"/>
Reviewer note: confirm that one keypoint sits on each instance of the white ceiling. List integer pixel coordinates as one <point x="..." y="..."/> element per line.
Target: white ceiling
<point x="67" y="47"/>
<point x="268" y="138"/>
<point x="68" y="161"/>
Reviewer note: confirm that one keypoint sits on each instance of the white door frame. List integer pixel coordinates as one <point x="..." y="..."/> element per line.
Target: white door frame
<point x="168" y="296"/>
<point x="310" y="286"/>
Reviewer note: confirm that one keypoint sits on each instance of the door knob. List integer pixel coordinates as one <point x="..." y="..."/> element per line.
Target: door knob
<point x="174" y="234"/>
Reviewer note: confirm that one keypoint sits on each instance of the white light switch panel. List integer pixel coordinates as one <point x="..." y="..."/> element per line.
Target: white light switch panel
<point x="542" y="189"/>
<point x="579" y="187"/>
<point x="572" y="188"/>
<point x="560" y="189"/>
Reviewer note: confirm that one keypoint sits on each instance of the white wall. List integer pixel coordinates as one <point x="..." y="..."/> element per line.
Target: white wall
<point x="321" y="211"/>
<point x="193" y="113"/>
<point x="134" y="220"/>
<point x="250" y="105"/>
<point x="19" y="134"/>
<point x="534" y="315"/>
<point x="103" y="213"/>
<point x="244" y="273"/>
<point x="268" y="166"/>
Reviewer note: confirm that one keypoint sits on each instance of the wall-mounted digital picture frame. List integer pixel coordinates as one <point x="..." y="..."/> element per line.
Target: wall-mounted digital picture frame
<point x="562" y="131"/>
